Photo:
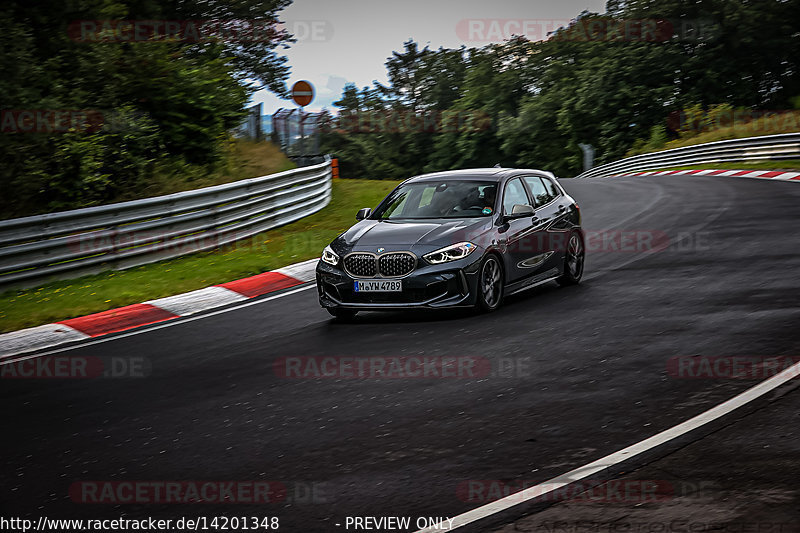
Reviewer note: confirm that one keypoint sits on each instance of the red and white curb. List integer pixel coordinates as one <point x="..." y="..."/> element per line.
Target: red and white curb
<point x="763" y="174"/>
<point x="153" y="311"/>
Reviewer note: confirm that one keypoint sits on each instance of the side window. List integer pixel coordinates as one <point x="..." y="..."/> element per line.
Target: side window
<point x="397" y="204"/>
<point x="514" y="194"/>
<point x="551" y="187"/>
<point x="538" y="191"/>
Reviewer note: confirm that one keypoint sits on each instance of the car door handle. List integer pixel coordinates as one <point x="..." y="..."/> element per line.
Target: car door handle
<point x="561" y="209"/>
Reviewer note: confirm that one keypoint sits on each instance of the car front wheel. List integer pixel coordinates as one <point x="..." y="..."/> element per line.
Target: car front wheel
<point x="573" y="261"/>
<point x="490" y="285"/>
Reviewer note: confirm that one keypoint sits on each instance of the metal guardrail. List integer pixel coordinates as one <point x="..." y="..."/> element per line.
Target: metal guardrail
<point x="124" y="235"/>
<point x="783" y="146"/>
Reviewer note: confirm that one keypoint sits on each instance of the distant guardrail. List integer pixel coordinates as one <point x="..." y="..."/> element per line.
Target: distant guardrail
<point x="123" y="235"/>
<point x="783" y="146"/>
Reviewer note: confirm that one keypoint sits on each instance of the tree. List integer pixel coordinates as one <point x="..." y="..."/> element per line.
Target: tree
<point x="164" y="104"/>
<point x="251" y="57"/>
<point x="403" y="69"/>
<point x="612" y="80"/>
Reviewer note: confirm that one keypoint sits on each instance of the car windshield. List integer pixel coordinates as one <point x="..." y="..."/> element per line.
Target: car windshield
<point x="439" y="199"/>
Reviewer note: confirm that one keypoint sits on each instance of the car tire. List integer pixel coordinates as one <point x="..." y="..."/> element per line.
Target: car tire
<point x="574" y="258"/>
<point x="343" y="315"/>
<point x="491" y="283"/>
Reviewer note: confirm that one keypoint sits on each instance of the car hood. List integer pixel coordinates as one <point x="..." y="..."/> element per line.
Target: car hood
<point x="408" y="233"/>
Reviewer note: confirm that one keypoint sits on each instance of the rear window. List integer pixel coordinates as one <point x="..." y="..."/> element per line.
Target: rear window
<point x="538" y="190"/>
<point x="551" y="187"/>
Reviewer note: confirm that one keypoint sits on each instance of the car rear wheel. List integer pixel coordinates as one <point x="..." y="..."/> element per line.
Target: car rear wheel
<point x="490" y="285"/>
<point x="344" y="315"/>
<point x="573" y="261"/>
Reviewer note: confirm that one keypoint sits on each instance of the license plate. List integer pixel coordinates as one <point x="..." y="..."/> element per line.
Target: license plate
<point x="378" y="285"/>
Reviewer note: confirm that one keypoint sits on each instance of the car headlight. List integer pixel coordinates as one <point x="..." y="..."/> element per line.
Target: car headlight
<point x="450" y="253"/>
<point x="329" y="256"/>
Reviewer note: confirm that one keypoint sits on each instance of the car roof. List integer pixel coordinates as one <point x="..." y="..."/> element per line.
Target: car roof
<point x="477" y="174"/>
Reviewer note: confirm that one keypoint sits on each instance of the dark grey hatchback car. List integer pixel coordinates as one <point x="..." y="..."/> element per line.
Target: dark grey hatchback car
<point x="462" y="238"/>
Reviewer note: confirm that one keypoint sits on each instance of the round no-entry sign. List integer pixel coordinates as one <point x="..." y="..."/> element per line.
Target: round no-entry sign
<point x="302" y="93"/>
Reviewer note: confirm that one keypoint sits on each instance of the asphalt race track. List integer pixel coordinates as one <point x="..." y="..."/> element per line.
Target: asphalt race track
<point x="576" y="373"/>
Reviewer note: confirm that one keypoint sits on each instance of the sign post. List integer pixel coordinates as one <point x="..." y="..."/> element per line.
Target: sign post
<point x="588" y="155"/>
<point x="302" y="94"/>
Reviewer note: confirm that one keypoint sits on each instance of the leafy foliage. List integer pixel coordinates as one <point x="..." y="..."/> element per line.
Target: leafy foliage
<point x="615" y="91"/>
<point x="160" y="103"/>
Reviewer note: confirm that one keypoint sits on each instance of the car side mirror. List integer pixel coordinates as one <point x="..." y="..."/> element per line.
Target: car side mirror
<point x="520" y="211"/>
<point x="363" y="213"/>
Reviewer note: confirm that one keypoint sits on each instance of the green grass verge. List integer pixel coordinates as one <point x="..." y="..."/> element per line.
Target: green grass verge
<point x="242" y="159"/>
<point x="790" y="165"/>
<point x="276" y="248"/>
<point x="724" y="134"/>
<point x="245" y="159"/>
<point x="775" y="125"/>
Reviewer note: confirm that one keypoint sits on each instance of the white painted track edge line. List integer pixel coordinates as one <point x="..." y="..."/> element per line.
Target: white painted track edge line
<point x="631" y="451"/>
<point x="159" y="325"/>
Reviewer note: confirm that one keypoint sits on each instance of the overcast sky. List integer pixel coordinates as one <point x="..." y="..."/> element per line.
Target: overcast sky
<point x="342" y="41"/>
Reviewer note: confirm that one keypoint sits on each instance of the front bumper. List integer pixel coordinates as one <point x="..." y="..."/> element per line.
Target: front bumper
<point x="451" y="284"/>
